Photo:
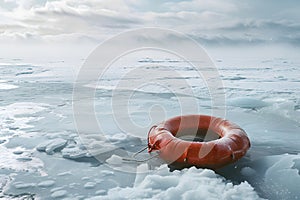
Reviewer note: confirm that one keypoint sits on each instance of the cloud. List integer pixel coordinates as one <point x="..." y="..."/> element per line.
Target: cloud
<point x="199" y="5"/>
<point x="71" y="17"/>
<point x="212" y="22"/>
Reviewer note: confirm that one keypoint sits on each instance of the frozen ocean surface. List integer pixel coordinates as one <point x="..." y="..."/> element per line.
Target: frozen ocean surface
<point x="43" y="157"/>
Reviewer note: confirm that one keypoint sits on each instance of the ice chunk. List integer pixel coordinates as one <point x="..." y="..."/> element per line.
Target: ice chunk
<point x="24" y="159"/>
<point x="19" y="185"/>
<point x="54" y="145"/>
<point x="67" y="173"/>
<point x="89" y="185"/>
<point x="74" y="185"/>
<point x="18" y="152"/>
<point x="3" y="180"/>
<point x="140" y="175"/>
<point x="100" y="192"/>
<point x="59" y="194"/>
<point x="297" y="165"/>
<point x="115" y="160"/>
<point x="42" y="146"/>
<point x="107" y="173"/>
<point x="246" y="102"/>
<point x="47" y="183"/>
<point x="74" y="153"/>
<point x="56" y="189"/>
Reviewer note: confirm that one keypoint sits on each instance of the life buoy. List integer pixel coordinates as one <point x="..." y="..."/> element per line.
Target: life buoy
<point x="213" y="152"/>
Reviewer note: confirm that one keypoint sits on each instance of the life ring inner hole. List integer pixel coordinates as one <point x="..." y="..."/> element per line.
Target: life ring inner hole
<point x="197" y="135"/>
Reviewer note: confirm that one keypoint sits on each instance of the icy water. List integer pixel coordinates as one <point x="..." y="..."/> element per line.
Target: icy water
<point x="43" y="157"/>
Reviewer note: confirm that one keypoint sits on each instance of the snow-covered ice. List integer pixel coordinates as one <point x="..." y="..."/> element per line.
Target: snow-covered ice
<point x="42" y="156"/>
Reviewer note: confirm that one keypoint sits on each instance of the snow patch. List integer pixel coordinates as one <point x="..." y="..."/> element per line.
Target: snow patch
<point x="186" y="184"/>
<point x="6" y="86"/>
<point x="12" y="161"/>
<point x="16" y="117"/>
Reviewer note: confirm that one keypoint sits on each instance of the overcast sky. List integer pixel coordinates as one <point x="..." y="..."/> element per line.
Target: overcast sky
<point x="211" y="22"/>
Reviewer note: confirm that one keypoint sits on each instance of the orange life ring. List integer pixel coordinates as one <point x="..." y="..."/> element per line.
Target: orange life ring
<point x="230" y="145"/>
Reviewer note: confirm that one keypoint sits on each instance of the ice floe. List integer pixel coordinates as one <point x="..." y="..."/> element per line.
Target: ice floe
<point x="50" y="146"/>
<point x="246" y="102"/>
<point x="47" y="183"/>
<point x="59" y="194"/>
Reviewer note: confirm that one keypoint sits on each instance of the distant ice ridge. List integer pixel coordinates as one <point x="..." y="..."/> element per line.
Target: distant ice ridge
<point x="186" y="184"/>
